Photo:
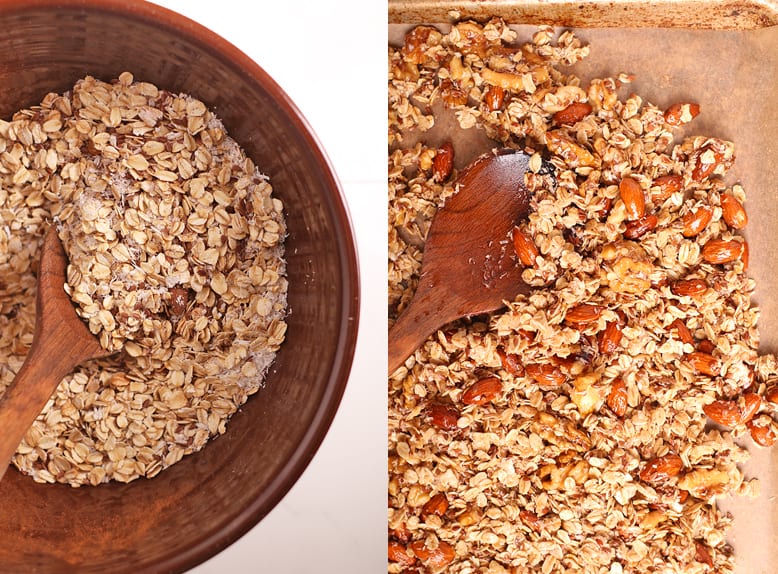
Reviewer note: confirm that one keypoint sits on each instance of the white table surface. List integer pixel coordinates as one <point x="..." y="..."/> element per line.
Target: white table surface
<point x="330" y="58"/>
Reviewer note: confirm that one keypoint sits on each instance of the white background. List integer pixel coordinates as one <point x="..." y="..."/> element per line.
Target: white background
<point x="330" y="58"/>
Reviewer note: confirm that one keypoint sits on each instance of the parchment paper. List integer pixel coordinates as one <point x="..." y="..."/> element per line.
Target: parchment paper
<point x="732" y="75"/>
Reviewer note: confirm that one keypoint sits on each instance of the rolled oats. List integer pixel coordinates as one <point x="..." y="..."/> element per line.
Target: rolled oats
<point x="596" y="455"/>
<point x="175" y="247"/>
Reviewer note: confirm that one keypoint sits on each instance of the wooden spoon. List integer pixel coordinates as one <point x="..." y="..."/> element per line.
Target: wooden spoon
<point x="469" y="266"/>
<point x="61" y="341"/>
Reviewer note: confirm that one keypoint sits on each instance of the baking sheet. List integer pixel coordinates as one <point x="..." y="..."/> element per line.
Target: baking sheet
<point x="732" y="75"/>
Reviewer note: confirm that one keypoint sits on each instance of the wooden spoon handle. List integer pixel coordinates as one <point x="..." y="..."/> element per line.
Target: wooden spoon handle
<point x="60" y="342"/>
<point x="25" y="398"/>
<point x="418" y="321"/>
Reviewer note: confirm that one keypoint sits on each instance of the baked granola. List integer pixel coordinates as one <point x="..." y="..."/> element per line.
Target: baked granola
<point x="619" y="387"/>
<point x="175" y="247"/>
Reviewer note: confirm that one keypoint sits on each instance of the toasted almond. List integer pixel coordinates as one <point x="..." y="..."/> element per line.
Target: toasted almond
<point x="704" y="363"/>
<point x="705" y="161"/>
<point x="437" y="505"/>
<point x="720" y="251"/>
<point x="682" y="331"/>
<point x="525" y="247"/>
<point x="733" y="212"/>
<point x="689" y="287"/>
<point x="664" y="186"/>
<point x="637" y="228"/>
<point x="511" y="362"/>
<point x="734" y="412"/>
<point x="609" y="339"/>
<point x="546" y="374"/>
<point x="661" y="468"/>
<point x="695" y="222"/>
<point x="634" y="200"/>
<point x="681" y="113"/>
<point x="494" y="96"/>
<point x="482" y="391"/>
<point x="762" y="434"/>
<point x="434" y="558"/>
<point x="617" y="397"/>
<point x="572" y="114"/>
<point x="443" y="162"/>
<point x="583" y="314"/>
<point x="442" y="416"/>
<point x="771" y="395"/>
<point x="398" y="553"/>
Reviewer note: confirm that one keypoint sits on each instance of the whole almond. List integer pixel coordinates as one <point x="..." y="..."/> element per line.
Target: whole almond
<point x="705" y="161"/>
<point x="704" y="363"/>
<point x="762" y="434"/>
<point x="434" y="558"/>
<point x="399" y="553"/>
<point x="583" y="314"/>
<point x="482" y="391"/>
<point x="733" y="212"/>
<point x="436" y="505"/>
<point x="725" y="413"/>
<point x="545" y="374"/>
<point x="682" y="331"/>
<point x="511" y="362"/>
<point x="637" y="228"/>
<point x="751" y="403"/>
<point x="617" y="397"/>
<point x="720" y="251"/>
<point x="494" y="96"/>
<point x="443" y="163"/>
<point x="569" y="150"/>
<point x="572" y="114"/>
<point x="525" y="247"/>
<point x="609" y="339"/>
<point x="695" y="222"/>
<point x="734" y="412"/>
<point x="662" y="468"/>
<point x="681" y="113"/>
<point x="664" y="186"/>
<point x="634" y="200"/>
<point x="442" y="416"/>
<point x="689" y="287"/>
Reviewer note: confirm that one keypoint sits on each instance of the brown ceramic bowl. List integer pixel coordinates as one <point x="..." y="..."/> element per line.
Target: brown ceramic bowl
<point x="202" y="504"/>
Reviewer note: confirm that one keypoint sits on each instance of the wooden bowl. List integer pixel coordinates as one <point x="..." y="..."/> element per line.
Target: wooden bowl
<point x="200" y="505"/>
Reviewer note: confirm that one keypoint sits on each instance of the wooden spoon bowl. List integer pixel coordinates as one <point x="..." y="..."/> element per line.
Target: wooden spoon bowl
<point x="469" y="265"/>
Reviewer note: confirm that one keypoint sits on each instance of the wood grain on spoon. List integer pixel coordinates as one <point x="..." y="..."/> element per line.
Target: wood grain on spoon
<point x="61" y="341"/>
<point x="469" y="265"/>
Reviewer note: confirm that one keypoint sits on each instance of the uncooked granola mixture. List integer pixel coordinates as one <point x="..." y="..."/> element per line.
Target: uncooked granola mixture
<point x="175" y="247"/>
<point x="591" y="426"/>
